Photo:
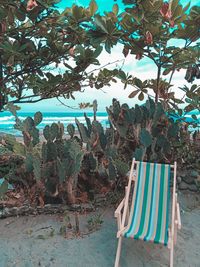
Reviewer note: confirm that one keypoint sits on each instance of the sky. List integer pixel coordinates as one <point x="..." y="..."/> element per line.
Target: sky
<point x="142" y="69"/>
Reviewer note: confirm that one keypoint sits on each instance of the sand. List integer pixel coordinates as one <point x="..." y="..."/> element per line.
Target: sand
<point x="30" y="241"/>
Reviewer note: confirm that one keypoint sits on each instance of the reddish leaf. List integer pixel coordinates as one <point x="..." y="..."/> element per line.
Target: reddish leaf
<point x="149" y="38"/>
<point x="125" y="51"/>
<point x="134" y="93"/>
<point x="71" y="51"/>
<point x="138" y="56"/>
<point x="31" y="4"/>
<point x="171" y="23"/>
<point x="165" y="11"/>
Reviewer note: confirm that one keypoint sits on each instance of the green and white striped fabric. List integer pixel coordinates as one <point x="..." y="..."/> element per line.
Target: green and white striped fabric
<point x="150" y="204"/>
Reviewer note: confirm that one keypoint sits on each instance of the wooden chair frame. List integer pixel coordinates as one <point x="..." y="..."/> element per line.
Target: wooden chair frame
<point x="122" y="214"/>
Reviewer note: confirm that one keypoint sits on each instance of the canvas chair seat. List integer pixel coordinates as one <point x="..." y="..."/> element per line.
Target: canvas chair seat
<point x="149" y="213"/>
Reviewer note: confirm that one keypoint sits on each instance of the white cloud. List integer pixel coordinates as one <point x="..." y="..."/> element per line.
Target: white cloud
<point x="143" y="69"/>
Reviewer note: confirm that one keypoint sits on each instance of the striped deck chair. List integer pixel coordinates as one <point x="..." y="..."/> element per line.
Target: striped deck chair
<point x="148" y="215"/>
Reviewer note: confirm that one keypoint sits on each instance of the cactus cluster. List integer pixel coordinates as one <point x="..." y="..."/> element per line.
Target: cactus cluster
<point x="56" y="162"/>
<point x="145" y="132"/>
<point x="101" y="149"/>
<point x="29" y="129"/>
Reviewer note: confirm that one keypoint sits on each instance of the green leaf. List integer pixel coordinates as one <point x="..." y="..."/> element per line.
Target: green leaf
<point x="186" y="7"/>
<point x="139" y="153"/>
<point x="77" y="12"/>
<point x="121" y="75"/>
<point x="19" y="149"/>
<point x="194" y="117"/>
<point x="166" y="71"/>
<point x="83" y="131"/>
<point x="3" y="188"/>
<point x="178" y="12"/>
<point x="71" y="130"/>
<point x="141" y="96"/>
<point x="98" y="51"/>
<point x="134" y="93"/>
<point x="115" y="9"/>
<point x="100" y="23"/>
<point x="40" y="73"/>
<point x="161" y="141"/>
<point x="93" y="7"/>
<point x="178" y="101"/>
<point x="37" y="118"/>
<point x="174" y="5"/>
<point x="194" y="86"/>
<point x="20" y="15"/>
<point x="108" y="46"/>
<point x="172" y="130"/>
<point x="145" y="137"/>
<point x="138" y="83"/>
<point x="11" y="61"/>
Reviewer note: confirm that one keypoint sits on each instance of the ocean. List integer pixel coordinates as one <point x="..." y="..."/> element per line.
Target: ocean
<point x="7" y="120"/>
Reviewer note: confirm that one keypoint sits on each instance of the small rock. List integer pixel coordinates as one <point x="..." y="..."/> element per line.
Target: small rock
<point x="190" y="187"/>
<point x="183" y="186"/>
<point x="188" y="179"/>
<point x="198" y="178"/>
<point x="183" y="174"/>
<point x="197" y="182"/>
<point x="179" y="179"/>
<point x="193" y="188"/>
<point x="194" y="174"/>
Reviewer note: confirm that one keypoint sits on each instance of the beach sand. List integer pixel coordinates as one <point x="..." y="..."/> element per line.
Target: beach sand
<point x="27" y="242"/>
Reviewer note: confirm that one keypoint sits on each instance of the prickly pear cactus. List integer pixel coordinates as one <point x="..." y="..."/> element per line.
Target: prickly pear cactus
<point x="71" y="130"/>
<point x="38" y="118"/>
<point x="89" y="163"/>
<point x="83" y="131"/>
<point x="145" y="130"/>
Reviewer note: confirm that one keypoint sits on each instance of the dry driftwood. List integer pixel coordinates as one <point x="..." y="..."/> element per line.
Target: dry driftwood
<point x="47" y="209"/>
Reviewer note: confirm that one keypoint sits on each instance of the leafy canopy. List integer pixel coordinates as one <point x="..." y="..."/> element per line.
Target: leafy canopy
<point x="151" y="29"/>
<point x="49" y="52"/>
<point x="43" y="53"/>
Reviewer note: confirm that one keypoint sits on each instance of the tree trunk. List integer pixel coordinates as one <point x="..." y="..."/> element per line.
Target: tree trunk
<point x="70" y="190"/>
<point x="157" y="86"/>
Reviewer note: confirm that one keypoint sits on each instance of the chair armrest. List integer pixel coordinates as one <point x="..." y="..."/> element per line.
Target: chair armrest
<point x="124" y="204"/>
<point x="178" y="214"/>
<point x="178" y="220"/>
<point x="119" y="208"/>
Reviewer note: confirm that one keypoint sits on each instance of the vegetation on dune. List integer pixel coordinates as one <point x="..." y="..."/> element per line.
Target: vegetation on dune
<point x="153" y="30"/>
<point x="46" y="54"/>
<point x="69" y="169"/>
<point x="49" y="52"/>
<point x="45" y="51"/>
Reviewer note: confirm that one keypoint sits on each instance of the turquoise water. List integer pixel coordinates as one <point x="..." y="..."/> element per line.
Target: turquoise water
<point x="188" y="118"/>
<point x="7" y="120"/>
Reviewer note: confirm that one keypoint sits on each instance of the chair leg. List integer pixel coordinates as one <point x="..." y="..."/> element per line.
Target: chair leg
<point x="118" y="252"/>
<point x="175" y="234"/>
<point x="172" y="254"/>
